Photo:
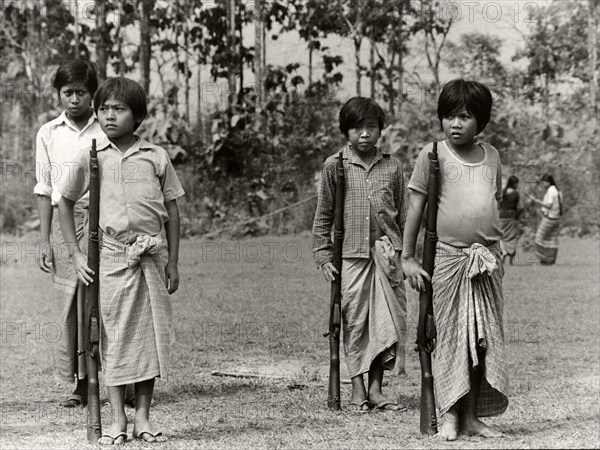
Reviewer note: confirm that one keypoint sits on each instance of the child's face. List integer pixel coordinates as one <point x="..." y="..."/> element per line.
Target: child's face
<point x="75" y="99"/>
<point x="116" y="118"/>
<point x="460" y="127"/>
<point x="364" y="136"/>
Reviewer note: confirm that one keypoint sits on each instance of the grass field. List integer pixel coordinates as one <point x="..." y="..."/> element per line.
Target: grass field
<point x="260" y="306"/>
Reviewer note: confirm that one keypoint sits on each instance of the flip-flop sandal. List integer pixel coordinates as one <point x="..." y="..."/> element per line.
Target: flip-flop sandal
<point x="148" y="436"/>
<point x="73" y="401"/>
<point x="118" y="439"/>
<point x="359" y="407"/>
<point x="383" y="406"/>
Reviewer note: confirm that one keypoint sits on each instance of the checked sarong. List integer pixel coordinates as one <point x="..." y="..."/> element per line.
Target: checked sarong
<point x="135" y="309"/>
<point x="468" y="308"/>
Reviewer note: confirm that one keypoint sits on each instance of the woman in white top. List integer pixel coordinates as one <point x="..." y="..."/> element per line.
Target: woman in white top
<point x="546" y="238"/>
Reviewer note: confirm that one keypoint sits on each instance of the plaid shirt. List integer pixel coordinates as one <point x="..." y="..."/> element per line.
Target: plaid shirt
<point x="381" y="188"/>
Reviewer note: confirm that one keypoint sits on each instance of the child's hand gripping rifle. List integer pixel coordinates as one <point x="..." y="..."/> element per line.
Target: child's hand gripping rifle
<point x="426" y="326"/>
<point x="92" y="322"/>
<point x="335" y="313"/>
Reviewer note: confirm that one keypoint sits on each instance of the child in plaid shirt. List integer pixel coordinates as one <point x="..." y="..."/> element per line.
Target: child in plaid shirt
<point x="373" y="296"/>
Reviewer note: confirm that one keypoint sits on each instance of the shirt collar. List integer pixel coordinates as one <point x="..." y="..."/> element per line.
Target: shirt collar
<point x="139" y="144"/>
<point x="353" y="159"/>
<point x="62" y="119"/>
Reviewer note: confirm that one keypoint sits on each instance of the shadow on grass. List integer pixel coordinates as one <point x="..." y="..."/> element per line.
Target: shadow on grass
<point x="210" y="390"/>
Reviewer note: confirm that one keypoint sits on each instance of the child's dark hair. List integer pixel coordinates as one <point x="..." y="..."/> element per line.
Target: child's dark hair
<point x="358" y="109"/>
<point x="511" y="183"/>
<point x="123" y="90"/>
<point x="475" y="97"/>
<point x="76" y="70"/>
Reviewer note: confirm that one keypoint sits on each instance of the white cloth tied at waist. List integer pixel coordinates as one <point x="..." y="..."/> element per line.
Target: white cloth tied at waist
<point x="143" y="245"/>
<point x="385" y="257"/>
<point x="481" y="261"/>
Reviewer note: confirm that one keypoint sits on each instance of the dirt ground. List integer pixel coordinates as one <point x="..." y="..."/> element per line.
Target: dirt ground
<point x="259" y="308"/>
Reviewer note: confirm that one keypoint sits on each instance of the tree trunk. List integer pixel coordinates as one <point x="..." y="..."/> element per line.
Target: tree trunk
<point x="240" y="49"/>
<point x="199" y="121"/>
<point x="186" y="68"/>
<point x="401" y="60"/>
<point x="372" y="66"/>
<point x="76" y="30"/>
<point x="145" y="8"/>
<point x="231" y="44"/>
<point x="100" y="39"/>
<point x="310" y="62"/>
<point x="258" y="54"/>
<point x="357" y="42"/>
<point x="593" y="52"/>
<point x="119" y="38"/>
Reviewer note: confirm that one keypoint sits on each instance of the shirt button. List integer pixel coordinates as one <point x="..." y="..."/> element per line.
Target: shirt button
<point x="366" y="218"/>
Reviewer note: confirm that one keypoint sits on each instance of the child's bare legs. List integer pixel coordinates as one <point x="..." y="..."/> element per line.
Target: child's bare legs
<point x="469" y="423"/>
<point x="143" y="398"/>
<point x="359" y="394"/>
<point x="376" y="397"/>
<point x="449" y="428"/>
<point x="116" y="397"/>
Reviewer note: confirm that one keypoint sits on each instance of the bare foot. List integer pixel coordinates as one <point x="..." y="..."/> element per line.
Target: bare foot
<point x="449" y="429"/>
<point x="359" y="395"/>
<point x="145" y="431"/>
<point x="380" y="401"/>
<point x="115" y="435"/>
<point x="476" y="427"/>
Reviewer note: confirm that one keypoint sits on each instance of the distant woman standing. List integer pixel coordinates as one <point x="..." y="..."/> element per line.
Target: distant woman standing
<point x="510" y="209"/>
<point x="546" y="238"/>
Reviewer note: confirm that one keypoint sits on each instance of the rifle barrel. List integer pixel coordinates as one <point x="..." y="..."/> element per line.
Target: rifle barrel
<point x="91" y="329"/>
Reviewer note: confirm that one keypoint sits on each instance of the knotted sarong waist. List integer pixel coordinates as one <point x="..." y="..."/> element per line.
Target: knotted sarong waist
<point x="468" y="308"/>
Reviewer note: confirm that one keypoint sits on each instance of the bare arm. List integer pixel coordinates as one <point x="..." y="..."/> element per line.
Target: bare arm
<point x="45" y="210"/>
<point x="67" y="225"/>
<point x="411" y="267"/>
<point x="173" y="238"/>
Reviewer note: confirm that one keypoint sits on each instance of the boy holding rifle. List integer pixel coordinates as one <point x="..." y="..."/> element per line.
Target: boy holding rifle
<point x="138" y="269"/>
<point x="373" y="296"/>
<point x="469" y="369"/>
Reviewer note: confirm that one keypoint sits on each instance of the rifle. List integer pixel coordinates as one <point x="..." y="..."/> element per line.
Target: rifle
<point x="335" y="313"/>
<point x="92" y="325"/>
<point x="426" y="332"/>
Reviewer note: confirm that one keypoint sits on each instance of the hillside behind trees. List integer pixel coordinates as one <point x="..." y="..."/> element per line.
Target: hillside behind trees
<point x="256" y="130"/>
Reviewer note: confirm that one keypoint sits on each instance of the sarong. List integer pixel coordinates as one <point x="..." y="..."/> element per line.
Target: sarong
<point x="546" y="240"/>
<point x="510" y="235"/>
<point x="468" y="308"/>
<point x="135" y="310"/>
<point x="374" y="310"/>
<point x="68" y="294"/>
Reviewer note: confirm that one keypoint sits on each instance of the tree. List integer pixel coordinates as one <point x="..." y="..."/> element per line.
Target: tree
<point x="145" y="8"/>
<point x="388" y="35"/>
<point x="435" y="26"/>
<point x="477" y="56"/>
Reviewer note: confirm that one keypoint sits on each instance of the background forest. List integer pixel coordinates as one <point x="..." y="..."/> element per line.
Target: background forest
<point x="255" y="132"/>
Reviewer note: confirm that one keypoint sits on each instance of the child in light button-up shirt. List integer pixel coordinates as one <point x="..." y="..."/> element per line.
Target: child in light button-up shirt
<point x="57" y="143"/>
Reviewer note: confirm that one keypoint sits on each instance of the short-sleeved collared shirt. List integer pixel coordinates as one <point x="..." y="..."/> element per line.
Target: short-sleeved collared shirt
<point x="56" y="147"/>
<point x="134" y="187"/>
<point x="379" y="193"/>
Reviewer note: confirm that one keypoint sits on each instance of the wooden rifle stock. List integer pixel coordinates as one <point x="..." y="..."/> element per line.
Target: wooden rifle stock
<point x="92" y="322"/>
<point x="335" y="313"/>
<point x="426" y="326"/>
